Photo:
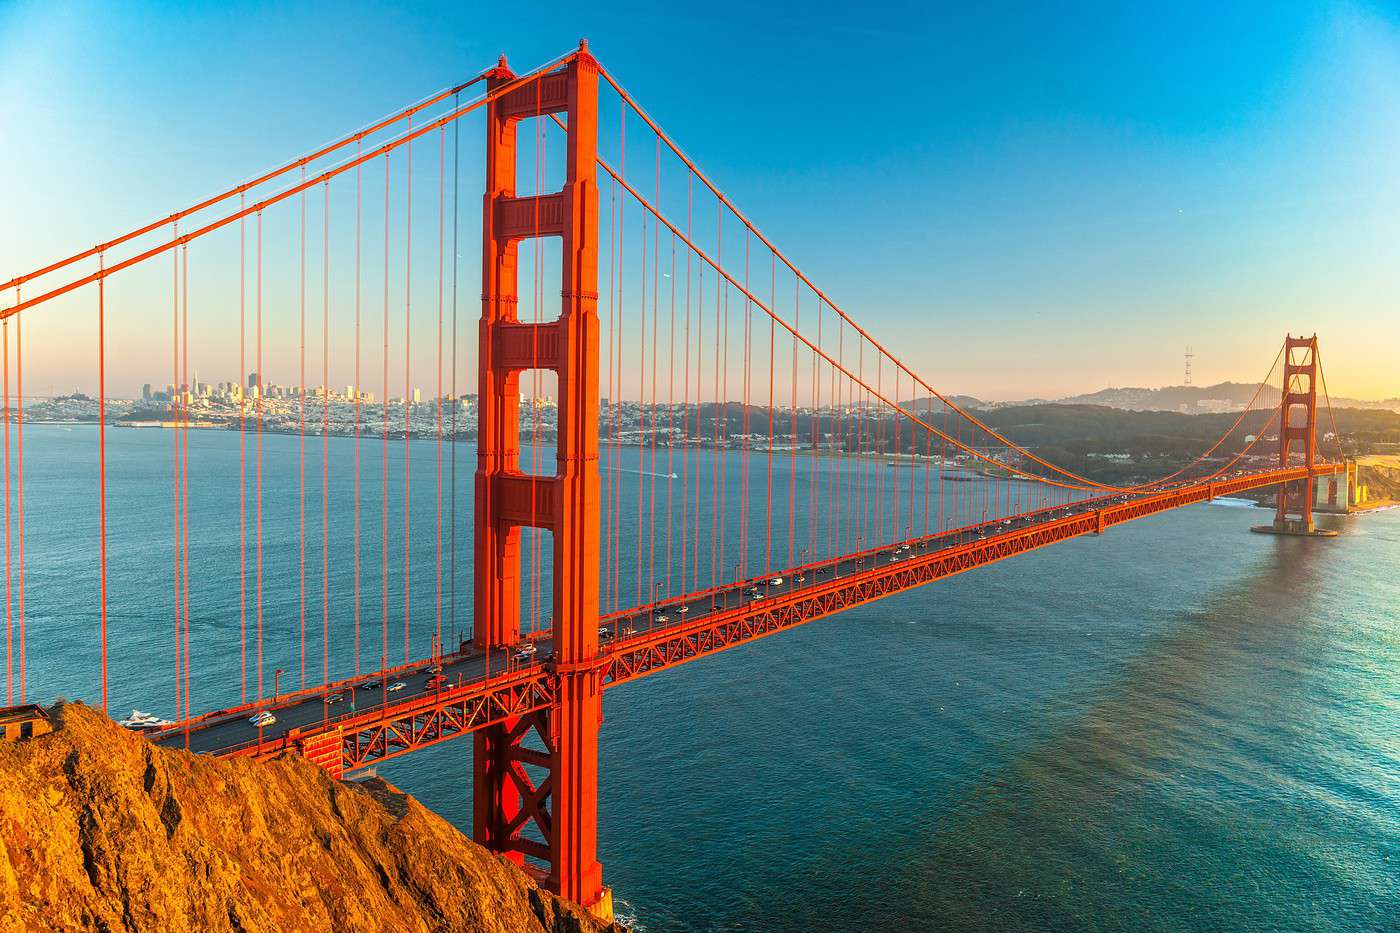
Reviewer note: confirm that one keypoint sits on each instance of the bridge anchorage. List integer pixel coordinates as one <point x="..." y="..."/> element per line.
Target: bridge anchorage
<point x="794" y="470"/>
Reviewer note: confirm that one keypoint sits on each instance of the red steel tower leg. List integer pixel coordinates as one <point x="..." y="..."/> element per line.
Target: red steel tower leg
<point x="496" y="543"/>
<point x="563" y="805"/>
<point x="1298" y="432"/>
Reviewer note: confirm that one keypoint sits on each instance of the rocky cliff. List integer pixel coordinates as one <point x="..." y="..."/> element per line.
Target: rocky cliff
<point x="99" y="830"/>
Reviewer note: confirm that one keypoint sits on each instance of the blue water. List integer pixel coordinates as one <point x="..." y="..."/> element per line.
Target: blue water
<point x="1177" y="726"/>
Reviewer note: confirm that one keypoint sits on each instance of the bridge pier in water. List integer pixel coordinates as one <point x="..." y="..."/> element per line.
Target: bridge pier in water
<point x="563" y="805"/>
<point x="1293" y="513"/>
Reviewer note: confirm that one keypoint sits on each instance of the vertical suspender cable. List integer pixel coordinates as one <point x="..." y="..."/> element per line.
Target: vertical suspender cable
<point x="792" y="453"/>
<point x="102" y="468"/>
<point x="655" y="339"/>
<point x="260" y="382"/>
<point x="175" y="396"/>
<point x="442" y="241"/>
<point x="325" y="433"/>
<point x="456" y="403"/>
<point x="19" y="491"/>
<point x="301" y="442"/>
<point x="670" y="415"/>
<point x="242" y="458"/>
<point x="359" y="398"/>
<point x="407" y="379"/>
<point x="384" y="458"/>
<point x="9" y="621"/>
<point x="610" y="473"/>
<point x="685" y="394"/>
<point x="185" y="464"/>
<point x="641" y="406"/>
<point x="772" y="359"/>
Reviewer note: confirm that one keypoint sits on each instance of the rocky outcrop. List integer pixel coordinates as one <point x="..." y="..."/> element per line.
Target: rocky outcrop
<point x="100" y="830"/>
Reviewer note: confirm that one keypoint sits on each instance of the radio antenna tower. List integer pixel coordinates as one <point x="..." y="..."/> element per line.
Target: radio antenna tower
<point x="1189" y="354"/>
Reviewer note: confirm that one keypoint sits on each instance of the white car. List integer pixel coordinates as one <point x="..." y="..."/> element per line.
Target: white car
<point x="261" y="719"/>
<point x="776" y="581"/>
<point x="663" y="618"/>
<point x="396" y="686"/>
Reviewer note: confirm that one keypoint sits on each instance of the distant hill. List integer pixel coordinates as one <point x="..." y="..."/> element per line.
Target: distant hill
<point x="1224" y="396"/>
<point x="965" y="402"/>
<point x="1195" y="400"/>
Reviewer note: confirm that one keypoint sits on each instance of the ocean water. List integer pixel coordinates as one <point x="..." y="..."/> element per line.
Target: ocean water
<point x="1176" y="726"/>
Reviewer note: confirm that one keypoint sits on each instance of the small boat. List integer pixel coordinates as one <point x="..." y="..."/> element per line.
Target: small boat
<point x="143" y="722"/>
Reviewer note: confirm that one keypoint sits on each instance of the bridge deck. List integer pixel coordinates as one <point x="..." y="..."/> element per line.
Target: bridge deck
<point x="478" y="688"/>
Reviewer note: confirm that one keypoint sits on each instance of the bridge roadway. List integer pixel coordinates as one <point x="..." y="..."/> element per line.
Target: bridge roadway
<point x="360" y="701"/>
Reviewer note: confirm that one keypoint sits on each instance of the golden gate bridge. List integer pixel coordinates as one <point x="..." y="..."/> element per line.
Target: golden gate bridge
<point x="733" y="454"/>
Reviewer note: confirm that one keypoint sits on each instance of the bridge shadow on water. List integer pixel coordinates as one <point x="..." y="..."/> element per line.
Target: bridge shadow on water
<point x="1207" y="786"/>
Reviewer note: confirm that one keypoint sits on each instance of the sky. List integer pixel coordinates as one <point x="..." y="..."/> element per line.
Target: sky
<point x="1029" y="201"/>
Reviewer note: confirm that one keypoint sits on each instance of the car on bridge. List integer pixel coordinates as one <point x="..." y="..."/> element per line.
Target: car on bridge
<point x="262" y="718"/>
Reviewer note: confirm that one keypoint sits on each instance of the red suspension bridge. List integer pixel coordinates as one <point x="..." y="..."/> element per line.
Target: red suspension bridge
<point x="733" y="455"/>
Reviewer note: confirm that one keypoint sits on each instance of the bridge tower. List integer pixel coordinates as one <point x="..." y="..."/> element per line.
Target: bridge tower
<point x="563" y="805"/>
<point x="1297" y="433"/>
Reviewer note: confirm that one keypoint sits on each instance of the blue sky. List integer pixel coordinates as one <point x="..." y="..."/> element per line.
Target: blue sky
<point x="1033" y="201"/>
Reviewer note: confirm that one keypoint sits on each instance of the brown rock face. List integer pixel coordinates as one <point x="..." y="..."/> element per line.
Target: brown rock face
<point x="99" y="830"/>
